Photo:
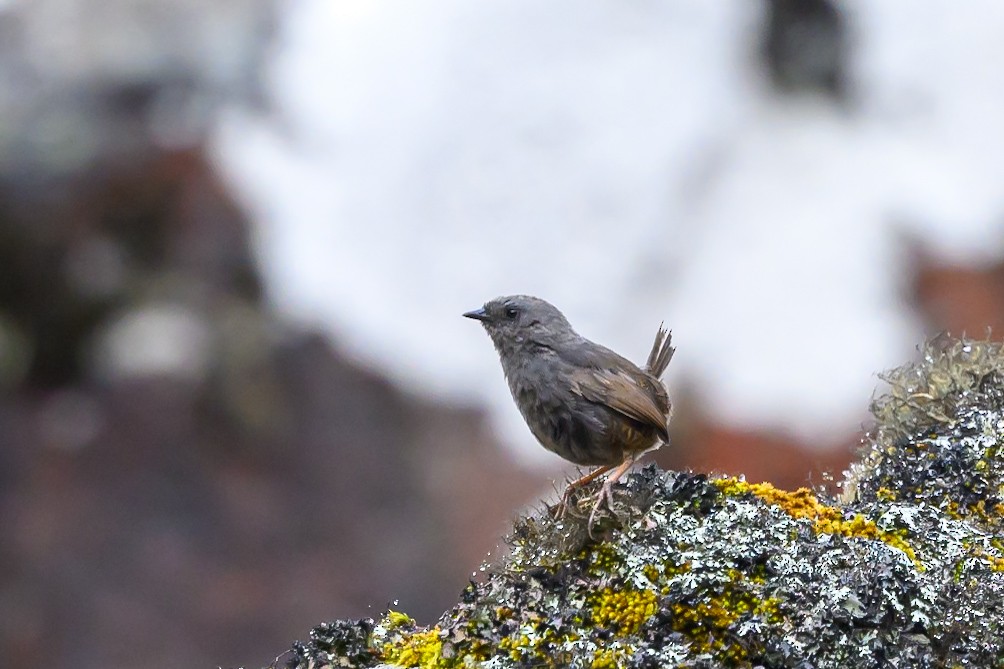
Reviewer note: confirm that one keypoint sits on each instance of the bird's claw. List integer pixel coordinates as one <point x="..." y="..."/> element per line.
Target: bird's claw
<point x="604" y="495"/>
<point x="560" y="509"/>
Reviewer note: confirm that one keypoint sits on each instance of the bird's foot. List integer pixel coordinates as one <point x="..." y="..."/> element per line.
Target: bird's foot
<point x="564" y="505"/>
<point x="561" y="509"/>
<point x="604" y="495"/>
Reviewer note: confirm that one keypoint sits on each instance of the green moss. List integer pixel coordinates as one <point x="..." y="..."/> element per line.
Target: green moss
<point x="926" y="395"/>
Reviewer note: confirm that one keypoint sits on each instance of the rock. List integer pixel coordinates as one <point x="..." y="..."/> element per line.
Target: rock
<point x="695" y="571"/>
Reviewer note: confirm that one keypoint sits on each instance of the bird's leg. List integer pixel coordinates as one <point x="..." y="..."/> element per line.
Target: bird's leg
<point x="606" y="491"/>
<point x="562" y="507"/>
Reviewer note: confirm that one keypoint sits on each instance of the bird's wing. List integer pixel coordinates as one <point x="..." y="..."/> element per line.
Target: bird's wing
<point x="631" y="395"/>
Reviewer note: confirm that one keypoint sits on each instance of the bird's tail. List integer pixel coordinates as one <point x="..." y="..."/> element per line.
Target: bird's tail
<point x="662" y="352"/>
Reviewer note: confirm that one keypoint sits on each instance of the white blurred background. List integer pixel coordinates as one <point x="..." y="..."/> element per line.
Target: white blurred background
<point x="631" y="162"/>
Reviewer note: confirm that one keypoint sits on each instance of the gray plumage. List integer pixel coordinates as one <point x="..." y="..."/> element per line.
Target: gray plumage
<point x="580" y="400"/>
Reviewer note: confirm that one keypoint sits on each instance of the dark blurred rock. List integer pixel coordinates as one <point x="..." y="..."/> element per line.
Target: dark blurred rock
<point x="226" y="509"/>
<point x="805" y="46"/>
<point x="184" y="480"/>
<point x="105" y="193"/>
<point x="179" y="523"/>
<point x="160" y="231"/>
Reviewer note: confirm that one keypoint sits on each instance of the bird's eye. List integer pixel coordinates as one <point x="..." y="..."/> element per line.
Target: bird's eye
<point x="511" y="312"/>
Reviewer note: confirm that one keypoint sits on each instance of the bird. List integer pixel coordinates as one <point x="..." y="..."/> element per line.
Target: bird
<point x="581" y="400"/>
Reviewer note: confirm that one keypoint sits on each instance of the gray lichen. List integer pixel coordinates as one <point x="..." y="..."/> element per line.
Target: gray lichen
<point x="906" y="570"/>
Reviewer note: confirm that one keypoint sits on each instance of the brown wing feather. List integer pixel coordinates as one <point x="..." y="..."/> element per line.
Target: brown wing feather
<point x="637" y="399"/>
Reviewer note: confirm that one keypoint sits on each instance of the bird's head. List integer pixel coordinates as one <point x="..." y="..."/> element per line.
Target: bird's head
<point x="518" y="321"/>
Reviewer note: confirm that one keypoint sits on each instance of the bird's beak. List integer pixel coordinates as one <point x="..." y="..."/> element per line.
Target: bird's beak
<point x="478" y="315"/>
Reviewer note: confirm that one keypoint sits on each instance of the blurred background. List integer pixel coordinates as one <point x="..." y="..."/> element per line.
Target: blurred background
<point x="237" y="397"/>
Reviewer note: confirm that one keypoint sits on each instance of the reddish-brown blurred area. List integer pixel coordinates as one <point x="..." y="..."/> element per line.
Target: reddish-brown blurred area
<point x="185" y="480"/>
<point x="211" y="517"/>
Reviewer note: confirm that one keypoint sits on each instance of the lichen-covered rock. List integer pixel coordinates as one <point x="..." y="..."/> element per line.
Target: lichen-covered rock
<point x="937" y="440"/>
<point x="697" y="571"/>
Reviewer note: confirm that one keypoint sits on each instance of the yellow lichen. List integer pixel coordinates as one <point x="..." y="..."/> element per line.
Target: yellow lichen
<point x="603" y="559"/>
<point x="671" y="569"/>
<point x="825" y="519"/>
<point x="885" y="494"/>
<point x="403" y="645"/>
<point x="977" y="510"/>
<point x="609" y="658"/>
<point x="395" y="619"/>
<point x="420" y="649"/>
<point x="538" y="646"/>
<point x="996" y="563"/>
<point x="623" y="611"/>
<point x="660" y="575"/>
<point x="706" y="622"/>
<point x="652" y="573"/>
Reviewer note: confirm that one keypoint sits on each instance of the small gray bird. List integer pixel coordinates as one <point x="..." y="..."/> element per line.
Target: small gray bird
<point x="579" y="399"/>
